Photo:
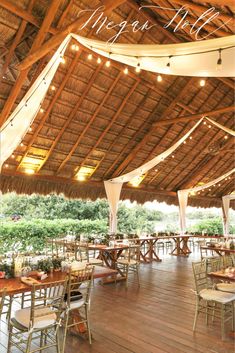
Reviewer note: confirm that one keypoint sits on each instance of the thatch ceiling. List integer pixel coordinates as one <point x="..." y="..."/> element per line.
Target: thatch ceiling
<point x="99" y="117"/>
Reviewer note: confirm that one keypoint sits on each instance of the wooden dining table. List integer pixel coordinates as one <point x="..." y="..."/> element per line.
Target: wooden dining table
<point x="16" y="286"/>
<point x="222" y="275"/>
<point x="218" y="250"/>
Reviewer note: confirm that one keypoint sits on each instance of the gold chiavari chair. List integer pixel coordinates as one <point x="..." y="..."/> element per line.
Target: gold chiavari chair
<point x="130" y="262"/>
<point x="40" y="322"/>
<point x="77" y="301"/>
<point x="213" y="303"/>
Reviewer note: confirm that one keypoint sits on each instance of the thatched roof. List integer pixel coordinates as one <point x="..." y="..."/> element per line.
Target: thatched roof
<point x="100" y="118"/>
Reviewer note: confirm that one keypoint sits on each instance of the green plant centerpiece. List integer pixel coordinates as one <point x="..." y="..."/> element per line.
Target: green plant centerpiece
<point x="6" y="270"/>
<point x="45" y="265"/>
<point x="56" y="262"/>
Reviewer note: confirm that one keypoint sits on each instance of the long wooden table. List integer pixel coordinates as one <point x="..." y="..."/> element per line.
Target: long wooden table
<point x="219" y="250"/>
<point x="15" y="286"/>
<point x="222" y="275"/>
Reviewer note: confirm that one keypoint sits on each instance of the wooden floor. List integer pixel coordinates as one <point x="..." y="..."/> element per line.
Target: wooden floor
<point x="156" y="318"/>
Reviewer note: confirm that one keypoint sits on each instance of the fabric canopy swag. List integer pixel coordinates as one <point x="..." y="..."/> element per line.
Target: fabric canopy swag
<point x="192" y="59"/>
<point x="225" y="207"/>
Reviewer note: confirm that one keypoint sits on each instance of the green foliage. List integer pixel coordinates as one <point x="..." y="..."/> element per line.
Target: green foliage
<point x="209" y="226"/>
<point x="31" y="235"/>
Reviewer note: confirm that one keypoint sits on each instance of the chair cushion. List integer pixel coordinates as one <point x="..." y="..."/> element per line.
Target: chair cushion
<point x="216" y="295"/>
<point x="76" y="304"/>
<point x="127" y="262"/>
<point x="226" y="287"/>
<point x="47" y="317"/>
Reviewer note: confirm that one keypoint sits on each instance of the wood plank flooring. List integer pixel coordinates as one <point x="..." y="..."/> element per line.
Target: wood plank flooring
<point x="155" y="318"/>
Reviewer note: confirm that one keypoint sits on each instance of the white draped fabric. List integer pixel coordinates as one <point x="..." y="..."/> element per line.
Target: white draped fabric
<point x="113" y="186"/>
<point x="113" y="191"/>
<point x="197" y="58"/>
<point x="225" y="207"/>
<point x="183" y="197"/>
<point x="226" y="129"/>
<point x="18" y="123"/>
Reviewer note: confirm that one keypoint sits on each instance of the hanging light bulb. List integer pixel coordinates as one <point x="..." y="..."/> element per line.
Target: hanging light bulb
<point x="137" y="69"/>
<point x="53" y="88"/>
<point x="168" y="65"/>
<point x="21" y="144"/>
<point x="99" y="61"/>
<point x="12" y="156"/>
<point x="30" y="129"/>
<point x="62" y="60"/>
<point x="6" y="165"/>
<point x="226" y="137"/>
<point x="125" y="71"/>
<point x="204" y="122"/>
<point x="202" y="83"/>
<point x="159" y="78"/>
<point x="190" y="137"/>
<point x="219" y="62"/>
<point x="89" y="57"/>
<point x="41" y="110"/>
<point x="108" y="63"/>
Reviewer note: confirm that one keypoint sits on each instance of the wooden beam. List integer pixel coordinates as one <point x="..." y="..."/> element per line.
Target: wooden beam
<point x="116" y="115"/>
<point x="194" y="116"/>
<point x="51" y="12"/>
<point x="201" y="9"/>
<point x="50" y="107"/>
<point x="71" y="115"/>
<point x="90" y="121"/>
<point x="16" y="40"/>
<point x="25" y="15"/>
<point x="59" y="37"/>
<point x="148" y="135"/>
<point x="206" y="163"/>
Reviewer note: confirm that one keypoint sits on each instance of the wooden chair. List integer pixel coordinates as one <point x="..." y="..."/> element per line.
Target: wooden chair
<point x="211" y="302"/>
<point x="83" y="254"/>
<point x="130" y="262"/>
<point x="77" y="301"/>
<point x="40" y="321"/>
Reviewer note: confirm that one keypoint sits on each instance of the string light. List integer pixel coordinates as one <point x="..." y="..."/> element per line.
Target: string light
<point x="89" y="57"/>
<point x="21" y="144"/>
<point x="30" y="129"/>
<point x="219" y="62"/>
<point x="75" y="47"/>
<point x="185" y="142"/>
<point x="137" y="69"/>
<point x="173" y="156"/>
<point x="204" y="122"/>
<point x="53" y="88"/>
<point x="12" y="156"/>
<point x="226" y="137"/>
<point x="108" y="63"/>
<point x="41" y="110"/>
<point x="159" y="78"/>
<point x="168" y="65"/>
<point x="99" y="61"/>
<point x="209" y="126"/>
<point x="190" y="137"/>
<point x="6" y="165"/>
<point x="202" y="83"/>
<point x="62" y="60"/>
<point x="125" y="71"/>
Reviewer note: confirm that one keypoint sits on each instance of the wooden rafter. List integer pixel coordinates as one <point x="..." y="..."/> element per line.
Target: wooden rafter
<point x="90" y="121"/>
<point x="25" y="15"/>
<point x="50" y="107"/>
<point x="59" y="37"/>
<point x="116" y="115"/>
<point x="16" y="40"/>
<point x="51" y="12"/>
<point x="201" y="9"/>
<point x="148" y="135"/>
<point x="196" y="116"/>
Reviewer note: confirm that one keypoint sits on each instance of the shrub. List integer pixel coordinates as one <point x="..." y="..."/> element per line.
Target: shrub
<point x="31" y="235"/>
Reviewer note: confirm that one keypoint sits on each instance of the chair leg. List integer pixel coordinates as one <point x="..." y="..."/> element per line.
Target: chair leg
<point x="28" y="346"/>
<point x="138" y="274"/>
<point x="57" y="340"/>
<point x="65" y="332"/>
<point x="196" y="315"/>
<point x="222" y="321"/>
<point x="207" y="313"/>
<point x="233" y="316"/>
<point x="10" y="328"/>
<point x="127" y="272"/>
<point x="88" y="324"/>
